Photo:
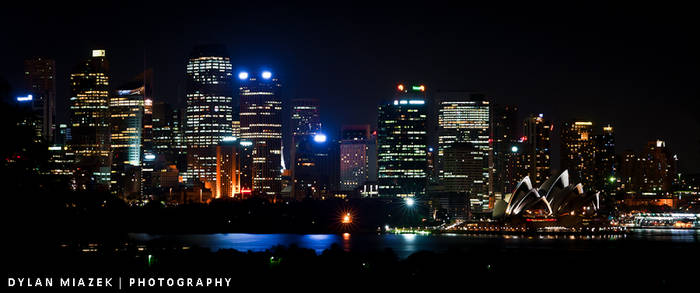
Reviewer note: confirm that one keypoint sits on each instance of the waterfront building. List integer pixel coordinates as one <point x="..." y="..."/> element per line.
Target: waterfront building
<point x="402" y="143"/>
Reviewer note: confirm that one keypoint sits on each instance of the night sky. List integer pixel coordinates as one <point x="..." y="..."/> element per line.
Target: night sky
<point x="630" y="65"/>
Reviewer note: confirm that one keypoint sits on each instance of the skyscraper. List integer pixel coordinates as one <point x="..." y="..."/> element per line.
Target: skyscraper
<point x="604" y="153"/>
<point x="261" y="124"/>
<point x="577" y="149"/>
<point x="537" y="145"/>
<point x="40" y="82"/>
<point x="306" y="124"/>
<point x="209" y="91"/>
<point x="89" y="122"/>
<point x="354" y="156"/>
<point x="311" y="175"/>
<point x="402" y="143"/>
<point x="465" y="118"/>
<point x="126" y="110"/>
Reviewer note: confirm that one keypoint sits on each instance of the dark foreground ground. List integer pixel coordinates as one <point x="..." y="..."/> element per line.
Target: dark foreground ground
<point x="36" y="228"/>
<point x="600" y="266"/>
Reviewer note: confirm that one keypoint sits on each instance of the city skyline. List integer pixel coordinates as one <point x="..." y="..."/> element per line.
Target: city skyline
<point x="601" y="72"/>
<point x="211" y="144"/>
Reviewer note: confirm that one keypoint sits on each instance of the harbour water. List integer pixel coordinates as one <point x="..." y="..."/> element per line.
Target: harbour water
<point x="406" y="244"/>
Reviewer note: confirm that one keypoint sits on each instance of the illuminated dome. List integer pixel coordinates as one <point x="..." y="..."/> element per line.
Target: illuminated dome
<point x="556" y="197"/>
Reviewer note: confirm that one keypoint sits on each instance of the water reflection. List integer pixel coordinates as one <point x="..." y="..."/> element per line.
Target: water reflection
<point x="406" y="244"/>
<point x="346" y="242"/>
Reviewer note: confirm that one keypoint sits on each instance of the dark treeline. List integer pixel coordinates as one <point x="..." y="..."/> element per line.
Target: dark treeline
<point x="602" y="264"/>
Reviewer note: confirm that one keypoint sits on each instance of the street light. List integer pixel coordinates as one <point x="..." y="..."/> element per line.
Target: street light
<point x="347" y="219"/>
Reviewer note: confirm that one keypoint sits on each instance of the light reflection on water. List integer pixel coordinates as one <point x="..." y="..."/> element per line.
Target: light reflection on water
<point x="405" y="244"/>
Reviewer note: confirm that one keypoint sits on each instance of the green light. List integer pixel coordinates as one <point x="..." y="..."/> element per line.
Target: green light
<point x="418" y="88"/>
<point x="612" y="179"/>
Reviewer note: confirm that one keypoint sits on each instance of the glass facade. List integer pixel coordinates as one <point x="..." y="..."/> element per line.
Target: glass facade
<point x="209" y="111"/>
<point x="261" y="124"/>
<point x="89" y="122"/>
<point x="577" y="150"/>
<point x="402" y="145"/>
<point x="354" y="156"/>
<point x="464" y="123"/>
<point x="126" y="110"/>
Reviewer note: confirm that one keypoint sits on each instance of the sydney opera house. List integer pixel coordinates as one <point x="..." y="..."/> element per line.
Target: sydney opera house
<point x="556" y="202"/>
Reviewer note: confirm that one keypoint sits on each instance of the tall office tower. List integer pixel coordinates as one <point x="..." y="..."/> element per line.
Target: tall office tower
<point x="126" y="111"/>
<point x="40" y="82"/>
<point x="261" y="124"/>
<point x="305" y="124"/>
<point x="228" y="175"/>
<point x="577" y="150"/>
<point x="148" y="153"/>
<point x="505" y="136"/>
<point x="89" y="122"/>
<point x="354" y="156"/>
<point x="209" y="113"/>
<point x="305" y="117"/>
<point x="402" y="144"/>
<point x="311" y="175"/>
<point x="604" y="157"/>
<point x="465" y="118"/>
<point x="537" y="147"/>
